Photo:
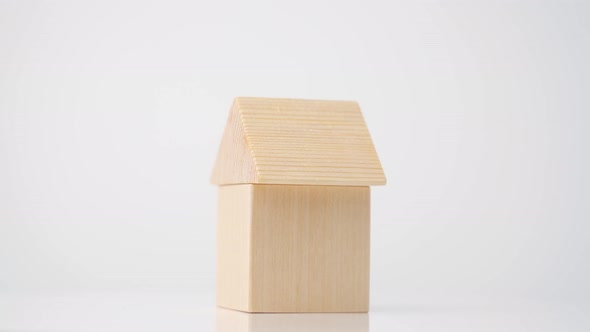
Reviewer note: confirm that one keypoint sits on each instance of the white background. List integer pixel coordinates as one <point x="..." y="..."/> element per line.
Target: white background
<point x="111" y="114"/>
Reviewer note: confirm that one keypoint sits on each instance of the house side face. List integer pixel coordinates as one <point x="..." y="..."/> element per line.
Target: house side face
<point x="234" y="214"/>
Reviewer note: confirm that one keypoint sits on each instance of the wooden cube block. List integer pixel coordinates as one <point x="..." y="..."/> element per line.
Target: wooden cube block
<point x="293" y="248"/>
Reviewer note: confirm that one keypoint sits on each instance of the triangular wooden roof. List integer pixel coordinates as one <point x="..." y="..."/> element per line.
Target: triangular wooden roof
<point x="294" y="141"/>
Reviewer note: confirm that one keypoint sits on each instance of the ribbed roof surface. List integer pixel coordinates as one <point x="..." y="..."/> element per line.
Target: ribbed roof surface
<point x="292" y="141"/>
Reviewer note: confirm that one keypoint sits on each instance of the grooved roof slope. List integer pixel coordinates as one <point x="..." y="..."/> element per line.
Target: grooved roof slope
<point x="294" y="141"/>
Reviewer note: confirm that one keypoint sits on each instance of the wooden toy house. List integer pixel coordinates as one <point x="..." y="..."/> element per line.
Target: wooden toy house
<point x="293" y="222"/>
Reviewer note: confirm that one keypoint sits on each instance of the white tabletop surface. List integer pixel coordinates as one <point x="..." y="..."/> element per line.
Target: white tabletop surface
<point x="177" y="311"/>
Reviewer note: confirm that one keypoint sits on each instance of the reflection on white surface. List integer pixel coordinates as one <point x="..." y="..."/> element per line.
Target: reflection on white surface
<point x="196" y="312"/>
<point x="237" y="321"/>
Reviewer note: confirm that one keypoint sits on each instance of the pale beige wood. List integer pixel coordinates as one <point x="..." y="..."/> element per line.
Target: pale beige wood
<point x="308" y="248"/>
<point x="233" y="247"/>
<point x="234" y="159"/>
<point x="297" y="141"/>
<point x="236" y="321"/>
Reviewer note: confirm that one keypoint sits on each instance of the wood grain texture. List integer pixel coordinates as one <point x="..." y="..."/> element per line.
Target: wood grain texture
<point x="308" y="248"/>
<point x="234" y="160"/>
<point x="234" y="216"/>
<point x="295" y="141"/>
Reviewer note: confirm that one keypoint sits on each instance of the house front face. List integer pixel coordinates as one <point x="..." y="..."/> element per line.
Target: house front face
<point x="293" y="223"/>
